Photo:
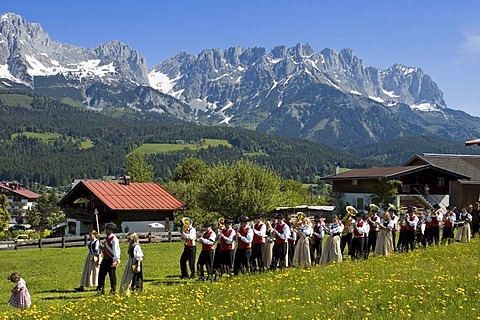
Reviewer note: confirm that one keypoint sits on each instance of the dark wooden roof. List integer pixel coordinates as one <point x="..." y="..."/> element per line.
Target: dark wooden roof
<point x="388" y="172"/>
<point x="467" y="165"/>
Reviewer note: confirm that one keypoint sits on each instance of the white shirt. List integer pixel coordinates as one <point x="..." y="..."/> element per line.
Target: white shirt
<point x="412" y="223"/>
<point x="263" y="229"/>
<point x="248" y="237"/>
<point x="336" y="228"/>
<point x="137" y="253"/>
<point x="285" y="231"/>
<point x="306" y="231"/>
<point x="191" y="234"/>
<point x="229" y="239"/>
<point x="209" y="240"/>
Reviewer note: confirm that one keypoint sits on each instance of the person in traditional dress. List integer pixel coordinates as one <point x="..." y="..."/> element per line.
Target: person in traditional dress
<point x="464" y="232"/>
<point x="257" y="259"/>
<point x="20" y="297"/>
<point x="304" y="232"/>
<point x="226" y="238"/>
<point x="402" y="242"/>
<point x="435" y="217"/>
<point x="359" y="233"/>
<point x="279" y="253"/>
<point x="331" y="250"/>
<point x="448" y="224"/>
<point x="244" y="247"/>
<point x="317" y="239"/>
<point x="110" y="261"/>
<point x="367" y="232"/>
<point x="474" y="211"/>
<point x="206" y="255"/>
<point x="374" y="221"/>
<point x="270" y="241"/>
<point x="132" y="279"/>
<point x="292" y="242"/>
<point x="346" y="239"/>
<point x="188" y="235"/>
<point x="384" y="245"/>
<point x="92" y="263"/>
<point x="410" y="233"/>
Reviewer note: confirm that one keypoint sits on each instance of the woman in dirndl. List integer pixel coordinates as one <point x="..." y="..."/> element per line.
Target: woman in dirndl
<point x="301" y="256"/>
<point x="384" y="245"/>
<point x="92" y="263"/>
<point x="331" y="250"/>
<point x="133" y="275"/>
<point x="20" y="297"/>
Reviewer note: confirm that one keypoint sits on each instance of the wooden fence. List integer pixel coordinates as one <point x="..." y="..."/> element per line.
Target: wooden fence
<point x="80" y="241"/>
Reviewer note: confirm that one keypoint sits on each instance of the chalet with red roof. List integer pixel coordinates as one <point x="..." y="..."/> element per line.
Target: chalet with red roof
<point x="132" y="206"/>
<point x="19" y="200"/>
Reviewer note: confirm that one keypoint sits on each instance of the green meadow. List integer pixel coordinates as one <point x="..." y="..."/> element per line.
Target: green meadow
<point x="49" y="137"/>
<point x="440" y="282"/>
<point x="152" y="148"/>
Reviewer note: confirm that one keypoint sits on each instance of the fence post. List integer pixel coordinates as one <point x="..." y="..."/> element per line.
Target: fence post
<point x="40" y="243"/>
<point x="85" y="240"/>
<point x="169" y="236"/>
<point x="15" y="244"/>
<point x="63" y="242"/>
<point x="149" y="237"/>
<point x="167" y="224"/>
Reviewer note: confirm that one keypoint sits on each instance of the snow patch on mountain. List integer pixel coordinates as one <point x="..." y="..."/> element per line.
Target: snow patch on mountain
<point x="425" y="107"/>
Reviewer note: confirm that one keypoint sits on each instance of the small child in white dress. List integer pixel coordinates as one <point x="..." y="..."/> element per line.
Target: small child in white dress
<point x="20" y="296"/>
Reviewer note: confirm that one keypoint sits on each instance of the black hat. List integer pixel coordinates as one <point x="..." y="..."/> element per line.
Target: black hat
<point x="410" y="210"/>
<point x="279" y="216"/>
<point x="317" y="217"/>
<point x="243" y="219"/>
<point x="436" y="206"/>
<point x="207" y="224"/>
<point x="229" y="221"/>
<point x="257" y="216"/>
<point x="448" y="208"/>
<point x="359" y="214"/>
<point x="111" y="226"/>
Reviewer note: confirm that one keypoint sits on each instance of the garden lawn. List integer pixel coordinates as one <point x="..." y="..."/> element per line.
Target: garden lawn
<point x="434" y="283"/>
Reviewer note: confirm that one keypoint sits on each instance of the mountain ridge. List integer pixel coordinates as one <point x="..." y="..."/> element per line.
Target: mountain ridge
<point x="328" y="97"/>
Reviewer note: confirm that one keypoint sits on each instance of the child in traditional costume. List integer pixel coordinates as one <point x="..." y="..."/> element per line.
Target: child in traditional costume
<point x="20" y="296"/>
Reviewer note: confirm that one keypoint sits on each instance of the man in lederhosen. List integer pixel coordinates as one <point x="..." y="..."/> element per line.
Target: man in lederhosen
<point x="188" y="236"/>
<point x="244" y="247"/>
<point x="257" y="258"/>
<point x="206" y="256"/>
<point x="226" y="238"/>
<point x="358" y="237"/>
<point x="317" y="238"/>
<point x="280" y="232"/>
<point x="111" y="259"/>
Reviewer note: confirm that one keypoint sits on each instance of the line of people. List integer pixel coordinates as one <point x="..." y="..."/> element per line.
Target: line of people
<point x="275" y="244"/>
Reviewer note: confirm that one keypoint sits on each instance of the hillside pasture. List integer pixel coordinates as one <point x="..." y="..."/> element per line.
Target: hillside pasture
<point x="152" y="148"/>
<point x="16" y="100"/>
<point x="439" y="282"/>
<point x="50" y="137"/>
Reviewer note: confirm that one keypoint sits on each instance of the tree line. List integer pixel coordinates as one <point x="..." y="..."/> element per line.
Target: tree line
<point x="31" y="161"/>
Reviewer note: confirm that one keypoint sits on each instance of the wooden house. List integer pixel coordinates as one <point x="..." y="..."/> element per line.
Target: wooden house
<point x="356" y="186"/>
<point x="462" y="191"/>
<point x="132" y="206"/>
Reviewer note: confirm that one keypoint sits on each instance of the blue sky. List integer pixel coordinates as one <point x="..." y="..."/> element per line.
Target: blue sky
<point x="441" y="37"/>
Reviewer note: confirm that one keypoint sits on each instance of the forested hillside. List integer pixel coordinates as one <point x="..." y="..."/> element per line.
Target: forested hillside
<point x="57" y="163"/>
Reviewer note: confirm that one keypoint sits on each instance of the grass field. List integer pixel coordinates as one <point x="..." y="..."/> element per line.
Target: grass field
<point x="152" y="148"/>
<point x="433" y="283"/>
<point x="14" y="100"/>
<point x="49" y="137"/>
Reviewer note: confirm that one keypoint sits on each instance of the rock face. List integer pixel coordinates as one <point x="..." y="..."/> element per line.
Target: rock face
<point x="330" y="96"/>
<point x="26" y="51"/>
